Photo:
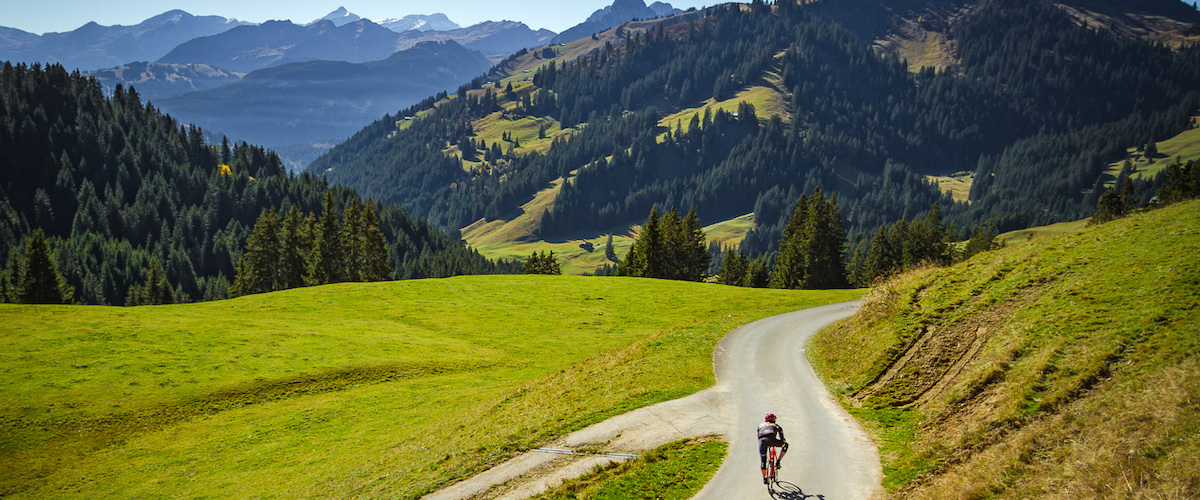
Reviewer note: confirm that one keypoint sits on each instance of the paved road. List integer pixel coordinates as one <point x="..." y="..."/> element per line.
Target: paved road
<point x="761" y="367"/>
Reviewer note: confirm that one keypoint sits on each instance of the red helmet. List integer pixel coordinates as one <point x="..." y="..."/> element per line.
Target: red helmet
<point x="770" y="417"/>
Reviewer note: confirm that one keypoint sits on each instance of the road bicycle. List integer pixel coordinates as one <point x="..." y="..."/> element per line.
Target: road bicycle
<point x="772" y="482"/>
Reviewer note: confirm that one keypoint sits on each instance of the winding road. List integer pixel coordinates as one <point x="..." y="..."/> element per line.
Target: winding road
<point x="761" y="367"/>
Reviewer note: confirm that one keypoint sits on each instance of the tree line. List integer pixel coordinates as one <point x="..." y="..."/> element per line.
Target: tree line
<point x="125" y="196"/>
<point x="293" y="250"/>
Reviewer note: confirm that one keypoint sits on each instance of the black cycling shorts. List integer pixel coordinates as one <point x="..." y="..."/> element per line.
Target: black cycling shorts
<point x="767" y="442"/>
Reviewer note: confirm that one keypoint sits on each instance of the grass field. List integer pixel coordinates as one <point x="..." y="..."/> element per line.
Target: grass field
<point x="384" y="390"/>
<point x="958" y="185"/>
<point x="1068" y="367"/>
<point x="1032" y="234"/>
<point x="766" y="101"/>
<point x="672" y="471"/>
<point x="1185" y="146"/>
<point x="511" y="240"/>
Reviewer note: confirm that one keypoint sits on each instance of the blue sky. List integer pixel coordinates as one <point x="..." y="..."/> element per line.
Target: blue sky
<point x="40" y="16"/>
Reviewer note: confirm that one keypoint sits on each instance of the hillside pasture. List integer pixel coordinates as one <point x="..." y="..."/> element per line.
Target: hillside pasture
<point x="1062" y="368"/>
<point x="354" y="390"/>
<point x="1185" y="146"/>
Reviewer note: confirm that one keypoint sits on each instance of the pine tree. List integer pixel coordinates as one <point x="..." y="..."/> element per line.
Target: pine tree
<point x="826" y="241"/>
<point x="643" y="259"/>
<point x="609" y="252"/>
<point x="757" y="273"/>
<point x="294" y="243"/>
<point x="693" y="252"/>
<point x="326" y="259"/>
<point x="259" y="269"/>
<point x="541" y="263"/>
<point x="352" y="241"/>
<point x="789" y="261"/>
<point x="39" y="281"/>
<point x="10" y="274"/>
<point x="1110" y="206"/>
<point x="733" y="268"/>
<point x="374" y="248"/>
<point x="154" y="290"/>
<point x="983" y="239"/>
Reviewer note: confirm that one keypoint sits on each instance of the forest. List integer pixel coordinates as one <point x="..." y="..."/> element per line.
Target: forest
<point x="129" y="199"/>
<point x="1036" y="109"/>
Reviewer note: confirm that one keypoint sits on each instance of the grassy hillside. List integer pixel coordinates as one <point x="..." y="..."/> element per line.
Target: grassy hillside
<point x="514" y="240"/>
<point x="364" y="390"/>
<point x="1064" y="368"/>
<point x="1184" y="147"/>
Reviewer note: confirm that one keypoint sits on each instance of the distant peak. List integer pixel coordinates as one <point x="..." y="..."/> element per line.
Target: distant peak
<point x="339" y="17"/>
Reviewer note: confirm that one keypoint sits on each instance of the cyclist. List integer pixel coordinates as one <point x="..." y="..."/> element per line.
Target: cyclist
<point x="770" y="434"/>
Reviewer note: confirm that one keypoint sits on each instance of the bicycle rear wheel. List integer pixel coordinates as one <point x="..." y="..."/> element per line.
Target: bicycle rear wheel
<point x="771" y="469"/>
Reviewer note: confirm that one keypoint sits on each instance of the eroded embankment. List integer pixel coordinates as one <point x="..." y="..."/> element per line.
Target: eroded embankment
<point x="1067" y="368"/>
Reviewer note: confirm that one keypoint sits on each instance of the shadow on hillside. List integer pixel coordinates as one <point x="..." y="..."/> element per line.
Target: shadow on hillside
<point x="788" y="491"/>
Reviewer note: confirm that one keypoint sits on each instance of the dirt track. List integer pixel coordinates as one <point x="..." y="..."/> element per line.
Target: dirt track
<point x="760" y="367"/>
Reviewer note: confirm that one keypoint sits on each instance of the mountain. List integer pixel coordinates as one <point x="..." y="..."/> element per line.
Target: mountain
<point x="620" y="11"/>
<point x="155" y="81"/>
<point x="124" y="184"/>
<point x="247" y="48"/>
<point x="431" y="22"/>
<point x="495" y="39"/>
<point x="303" y="103"/>
<point x="339" y="17"/>
<point x="743" y="110"/>
<point x="93" y="46"/>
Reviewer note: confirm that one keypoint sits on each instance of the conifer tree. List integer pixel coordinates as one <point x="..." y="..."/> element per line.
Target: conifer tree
<point x="294" y="243"/>
<point x="757" y="273"/>
<point x="733" y="268"/>
<point x="789" y="261"/>
<point x="39" y="281"/>
<point x="811" y="252"/>
<point x="693" y="251"/>
<point x="647" y="246"/>
<point x="983" y="239"/>
<point x="154" y="290"/>
<point x="326" y="262"/>
<point x="374" y="248"/>
<point x="352" y="241"/>
<point x="542" y="263"/>
<point x="826" y="241"/>
<point x="609" y="252"/>
<point x="8" y="276"/>
<point x="258" y="269"/>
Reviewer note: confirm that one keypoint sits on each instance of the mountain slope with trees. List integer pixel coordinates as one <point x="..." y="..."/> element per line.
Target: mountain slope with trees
<point x="122" y="193"/>
<point x="1040" y="105"/>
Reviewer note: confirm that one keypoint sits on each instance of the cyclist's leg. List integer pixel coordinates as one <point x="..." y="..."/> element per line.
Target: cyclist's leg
<point x="783" y="446"/>
<point x="762" y="457"/>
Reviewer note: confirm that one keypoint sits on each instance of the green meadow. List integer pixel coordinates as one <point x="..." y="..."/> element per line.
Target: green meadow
<point x="383" y="390"/>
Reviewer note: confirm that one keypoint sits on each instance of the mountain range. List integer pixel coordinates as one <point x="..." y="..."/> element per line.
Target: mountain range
<point x="620" y="11"/>
<point x="419" y="22"/>
<point x="314" y="101"/>
<point x="93" y="46"/>
<point x="155" y="81"/>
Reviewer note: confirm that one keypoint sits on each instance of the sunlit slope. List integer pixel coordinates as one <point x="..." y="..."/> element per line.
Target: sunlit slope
<point x="1067" y="367"/>
<point x="368" y="390"/>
